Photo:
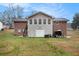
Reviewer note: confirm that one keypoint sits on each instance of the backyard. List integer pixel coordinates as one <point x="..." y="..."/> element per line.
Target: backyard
<point x="11" y="45"/>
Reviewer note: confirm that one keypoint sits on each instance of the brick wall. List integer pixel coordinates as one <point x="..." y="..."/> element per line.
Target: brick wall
<point x="60" y="25"/>
<point x="20" y="27"/>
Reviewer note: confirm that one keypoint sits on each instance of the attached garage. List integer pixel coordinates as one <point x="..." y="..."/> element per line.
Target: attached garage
<point x="58" y="33"/>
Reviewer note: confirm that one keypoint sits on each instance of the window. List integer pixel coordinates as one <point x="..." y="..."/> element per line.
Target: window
<point x="23" y="30"/>
<point x="19" y="30"/>
<point x="39" y="21"/>
<point x="44" y="21"/>
<point x="30" y="21"/>
<point x="35" y="21"/>
<point x="49" y="21"/>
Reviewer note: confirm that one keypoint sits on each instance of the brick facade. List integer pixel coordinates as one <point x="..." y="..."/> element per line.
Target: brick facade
<point x="60" y="25"/>
<point x="57" y="25"/>
<point x="23" y="27"/>
<point x="20" y="27"/>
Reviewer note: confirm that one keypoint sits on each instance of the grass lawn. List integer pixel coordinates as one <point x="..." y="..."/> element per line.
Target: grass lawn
<point x="14" y="45"/>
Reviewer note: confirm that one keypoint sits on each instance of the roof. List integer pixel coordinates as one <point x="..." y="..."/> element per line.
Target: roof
<point x="55" y="19"/>
<point x="60" y="19"/>
<point x="20" y="19"/>
<point x="40" y="13"/>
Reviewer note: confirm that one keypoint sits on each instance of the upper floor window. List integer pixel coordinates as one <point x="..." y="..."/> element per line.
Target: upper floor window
<point x="30" y="21"/>
<point x="49" y="21"/>
<point x="39" y="21"/>
<point x="44" y="21"/>
<point x="35" y="21"/>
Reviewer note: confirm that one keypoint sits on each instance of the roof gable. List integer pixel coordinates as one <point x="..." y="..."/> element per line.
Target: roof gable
<point x="40" y="13"/>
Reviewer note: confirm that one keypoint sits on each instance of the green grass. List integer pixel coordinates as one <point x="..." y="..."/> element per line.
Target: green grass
<point x="14" y="45"/>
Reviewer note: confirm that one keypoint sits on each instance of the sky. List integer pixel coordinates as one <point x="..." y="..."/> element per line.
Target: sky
<point x="58" y="10"/>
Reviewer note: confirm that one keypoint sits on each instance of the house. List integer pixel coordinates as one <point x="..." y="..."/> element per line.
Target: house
<point x="40" y="25"/>
<point x="1" y="26"/>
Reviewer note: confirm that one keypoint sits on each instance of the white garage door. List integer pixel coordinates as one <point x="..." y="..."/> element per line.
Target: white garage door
<point x="40" y="33"/>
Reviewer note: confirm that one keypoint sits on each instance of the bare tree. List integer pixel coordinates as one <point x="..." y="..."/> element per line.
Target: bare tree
<point x="11" y="12"/>
<point x="18" y="11"/>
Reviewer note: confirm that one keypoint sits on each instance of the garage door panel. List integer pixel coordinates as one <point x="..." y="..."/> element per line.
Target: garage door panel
<point x="40" y="33"/>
